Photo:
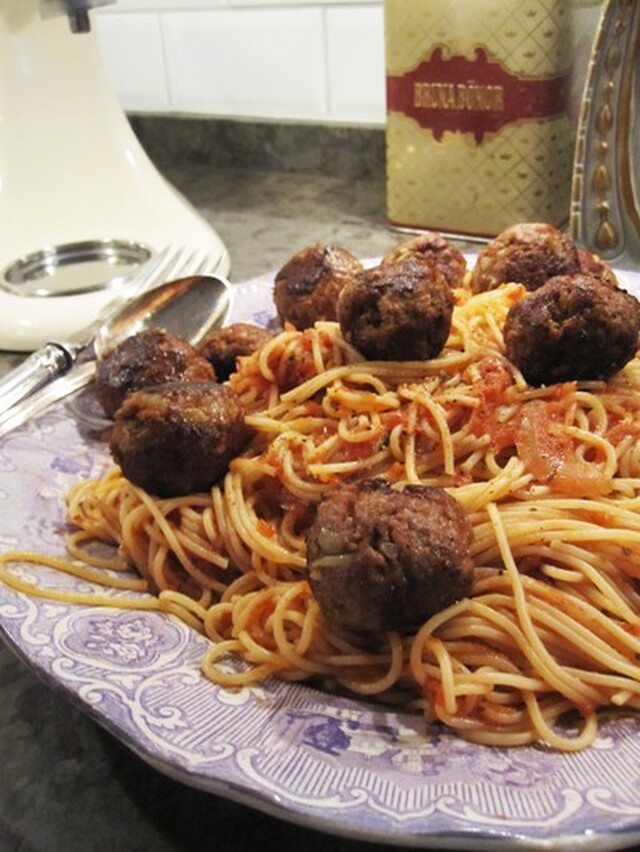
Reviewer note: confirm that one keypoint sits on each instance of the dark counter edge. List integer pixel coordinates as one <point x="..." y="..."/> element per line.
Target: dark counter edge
<point x="352" y="151"/>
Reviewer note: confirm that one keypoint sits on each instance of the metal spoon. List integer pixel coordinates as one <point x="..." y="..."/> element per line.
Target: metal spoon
<point x="188" y="307"/>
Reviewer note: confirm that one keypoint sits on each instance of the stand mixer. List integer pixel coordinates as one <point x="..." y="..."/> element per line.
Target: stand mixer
<point x="81" y="204"/>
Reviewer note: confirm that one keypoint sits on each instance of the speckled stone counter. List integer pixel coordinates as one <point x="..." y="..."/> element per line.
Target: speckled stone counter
<point x="269" y="189"/>
<point x="65" y="784"/>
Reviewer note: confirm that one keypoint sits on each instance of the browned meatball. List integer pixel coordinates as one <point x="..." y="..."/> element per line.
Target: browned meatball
<point x="435" y="251"/>
<point x="223" y="346"/>
<point x="398" y="312"/>
<point x="306" y="289"/>
<point x="592" y="264"/>
<point x="179" y="437"/>
<point x="381" y="559"/>
<point x="529" y="253"/>
<point x="574" y="327"/>
<point x="151" y="357"/>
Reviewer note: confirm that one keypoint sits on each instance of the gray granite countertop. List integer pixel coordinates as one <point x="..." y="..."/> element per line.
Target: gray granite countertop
<point x="65" y="783"/>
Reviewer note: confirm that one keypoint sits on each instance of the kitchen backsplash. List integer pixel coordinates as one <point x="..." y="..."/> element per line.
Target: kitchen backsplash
<point x="302" y="61"/>
<point x="295" y="60"/>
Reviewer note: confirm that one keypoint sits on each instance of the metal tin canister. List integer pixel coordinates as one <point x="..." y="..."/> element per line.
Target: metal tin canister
<point x="479" y="134"/>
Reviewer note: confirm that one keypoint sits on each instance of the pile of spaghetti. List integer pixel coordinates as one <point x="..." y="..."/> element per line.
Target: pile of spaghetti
<point x="549" y="478"/>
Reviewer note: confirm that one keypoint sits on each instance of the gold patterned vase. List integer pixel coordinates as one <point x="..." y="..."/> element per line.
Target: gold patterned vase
<point x="605" y="211"/>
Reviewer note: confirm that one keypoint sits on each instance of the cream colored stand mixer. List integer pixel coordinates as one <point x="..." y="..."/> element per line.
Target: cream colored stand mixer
<point x="81" y="204"/>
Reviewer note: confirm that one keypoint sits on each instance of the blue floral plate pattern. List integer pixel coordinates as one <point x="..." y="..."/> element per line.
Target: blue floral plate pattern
<point x="339" y="765"/>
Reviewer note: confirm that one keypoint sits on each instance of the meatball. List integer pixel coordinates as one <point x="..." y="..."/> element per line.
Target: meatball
<point x="306" y="289"/>
<point x="529" y="253"/>
<point x="381" y="559"/>
<point x="179" y="437"/>
<point x="150" y="357"/>
<point x="573" y="327"/>
<point x="223" y="346"/>
<point x="435" y="251"/>
<point x="400" y="312"/>
<point x="592" y="264"/>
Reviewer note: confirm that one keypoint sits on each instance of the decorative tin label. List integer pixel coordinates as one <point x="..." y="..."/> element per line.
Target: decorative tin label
<point x="477" y="96"/>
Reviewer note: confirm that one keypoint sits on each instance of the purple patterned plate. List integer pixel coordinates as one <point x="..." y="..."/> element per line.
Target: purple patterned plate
<point x="339" y="765"/>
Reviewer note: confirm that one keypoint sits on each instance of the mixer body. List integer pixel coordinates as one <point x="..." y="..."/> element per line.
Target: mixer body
<point x="72" y="171"/>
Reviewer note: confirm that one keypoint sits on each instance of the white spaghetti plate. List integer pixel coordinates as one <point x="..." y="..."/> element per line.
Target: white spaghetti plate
<point x="342" y="766"/>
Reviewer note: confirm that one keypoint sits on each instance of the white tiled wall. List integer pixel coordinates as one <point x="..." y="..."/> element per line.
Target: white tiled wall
<point x="301" y="60"/>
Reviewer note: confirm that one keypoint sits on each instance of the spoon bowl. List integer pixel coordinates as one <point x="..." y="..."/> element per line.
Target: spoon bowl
<point x="187" y="307"/>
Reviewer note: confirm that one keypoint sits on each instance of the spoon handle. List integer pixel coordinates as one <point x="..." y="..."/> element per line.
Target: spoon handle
<point x="41" y="366"/>
<point x="35" y="403"/>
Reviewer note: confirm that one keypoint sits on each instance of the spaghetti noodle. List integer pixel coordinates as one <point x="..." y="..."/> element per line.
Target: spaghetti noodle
<point x="549" y="478"/>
